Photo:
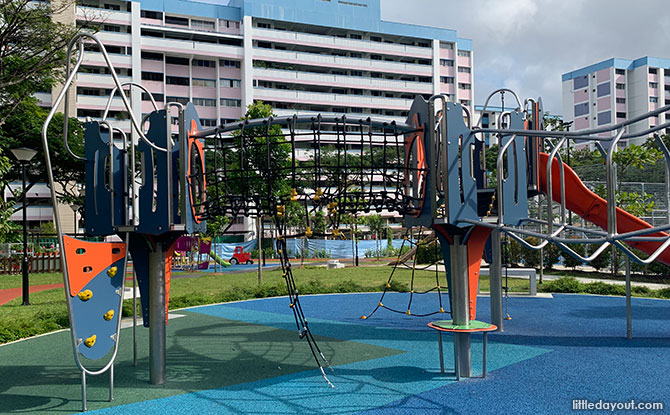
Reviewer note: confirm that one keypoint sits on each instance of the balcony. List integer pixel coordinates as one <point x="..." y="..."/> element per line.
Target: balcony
<point x="99" y="102"/>
<point x="97" y="80"/>
<point x="318" y="98"/>
<point x="342" y="81"/>
<point x="96" y="59"/>
<point x="114" y="38"/>
<point x="191" y="47"/>
<point x="103" y="15"/>
<point x="330" y="61"/>
<point x="332" y="42"/>
<point x="289" y="113"/>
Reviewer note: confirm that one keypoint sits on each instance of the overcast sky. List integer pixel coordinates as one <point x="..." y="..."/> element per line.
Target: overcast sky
<point x="526" y="45"/>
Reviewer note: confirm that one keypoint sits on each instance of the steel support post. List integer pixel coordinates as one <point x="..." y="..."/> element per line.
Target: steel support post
<point x="460" y="307"/>
<point x="157" y="315"/>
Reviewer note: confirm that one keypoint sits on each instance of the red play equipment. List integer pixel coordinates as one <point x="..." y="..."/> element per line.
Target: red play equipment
<point x="241" y="257"/>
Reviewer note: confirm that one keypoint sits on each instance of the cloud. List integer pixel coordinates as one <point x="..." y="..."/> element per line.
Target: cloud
<point x="529" y="44"/>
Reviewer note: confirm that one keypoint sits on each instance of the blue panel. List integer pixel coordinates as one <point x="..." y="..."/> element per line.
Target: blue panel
<point x="462" y="192"/>
<point x="603" y="89"/>
<point x="614" y="62"/>
<point x="580" y="82"/>
<point x="88" y="315"/>
<point x="581" y="109"/>
<point x="194" y="8"/>
<point x="515" y="196"/>
<point x="154" y="214"/>
<point x="139" y="252"/>
<point x="98" y="198"/>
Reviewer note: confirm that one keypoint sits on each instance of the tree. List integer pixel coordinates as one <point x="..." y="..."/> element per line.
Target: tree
<point x="23" y="128"/>
<point x="32" y="50"/>
<point x="376" y="224"/>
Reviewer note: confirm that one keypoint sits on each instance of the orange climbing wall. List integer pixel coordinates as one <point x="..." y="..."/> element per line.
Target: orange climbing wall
<point x="85" y="260"/>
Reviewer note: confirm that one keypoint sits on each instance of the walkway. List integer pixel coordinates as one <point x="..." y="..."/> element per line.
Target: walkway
<point x="9" y="294"/>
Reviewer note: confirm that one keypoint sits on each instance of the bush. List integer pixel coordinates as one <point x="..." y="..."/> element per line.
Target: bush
<point x="562" y="285"/>
<point x="663" y="292"/>
<point x="601" y="288"/>
<point x="428" y="254"/>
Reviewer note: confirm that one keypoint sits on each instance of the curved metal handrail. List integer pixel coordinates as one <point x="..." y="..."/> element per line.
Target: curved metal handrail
<point x="131" y="84"/>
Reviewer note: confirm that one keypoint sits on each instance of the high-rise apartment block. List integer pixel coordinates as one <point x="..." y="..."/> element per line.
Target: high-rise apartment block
<point x="300" y="56"/>
<point x="615" y="90"/>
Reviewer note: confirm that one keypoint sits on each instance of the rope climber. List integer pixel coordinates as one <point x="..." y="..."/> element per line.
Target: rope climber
<point x="388" y="286"/>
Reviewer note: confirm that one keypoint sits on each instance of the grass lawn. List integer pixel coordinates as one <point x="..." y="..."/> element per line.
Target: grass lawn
<point x="48" y="311"/>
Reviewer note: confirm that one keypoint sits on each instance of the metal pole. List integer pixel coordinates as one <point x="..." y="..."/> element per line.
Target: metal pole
<point x="495" y="281"/>
<point x="157" y="315"/>
<point x="439" y="343"/>
<point x="83" y="391"/>
<point x="629" y="316"/>
<point x="460" y="308"/>
<point x="24" y="265"/>
<point x="134" y="319"/>
<point x="259" y="236"/>
<point x="111" y="382"/>
<point x="484" y="355"/>
<point x="541" y="265"/>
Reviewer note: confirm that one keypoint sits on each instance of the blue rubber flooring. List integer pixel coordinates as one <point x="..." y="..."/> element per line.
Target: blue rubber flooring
<point x="552" y="352"/>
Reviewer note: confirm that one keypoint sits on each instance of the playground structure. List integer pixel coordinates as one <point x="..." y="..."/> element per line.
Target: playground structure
<point x="431" y="171"/>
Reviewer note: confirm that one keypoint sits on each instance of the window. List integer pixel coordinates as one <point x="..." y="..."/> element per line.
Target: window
<point x="621" y="115"/>
<point x="446" y="45"/>
<point x="604" y="118"/>
<point x="173" y="60"/>
<point x="151" y="15"/>
<point x="206" y="83"/>
<point x="229" y="64"/>
<point x="447" y="79"/>
<point x="620" y="86"/>
<point x="620" y="71"/>
<point x="464" y="86"/>
<point x="152" y="56"/>
<point x="157" y="97"/>
<point x="355" y="36"/>
<point x="264" y="25"/>
<point x="181" y="100"/>
<point x="376" y="57"/>
<point x="202" y="24"/>
<point x="152" y="76"/>
<point x="463" y="69"/>
<point x="653" y="84"/>
<point x="227" y="102"/>
<point x="375" y="38"/>
<point x="653" y="71"/>
<point x="204" y="102"/>
<point x="176" y="80"/>
<point x="356" y="55"/>
<point x="653" y="99"/>
<point x="580" y="82"/>
<point x="603" y="89"/>
<point x="112" y="6"/>
<point x="581" y="109"/>
<point x="356" y="73"/>
<point x="230" y="83"/>
<point x="204" y="63"/>
<point x="372" y="74"/>
<point x="465" y="102"/>
<point x="174" y="20"/>
<point x="111" y="28"/>
<point x="463" y="53"/>
<point x="447" y="62"/>
<point x="621" y="100"/>
<point x="208" y="122"/>
<point x="89" y="91"/>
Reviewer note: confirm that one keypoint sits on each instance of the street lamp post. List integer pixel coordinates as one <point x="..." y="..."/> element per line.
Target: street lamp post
<point x="24" y="155"/>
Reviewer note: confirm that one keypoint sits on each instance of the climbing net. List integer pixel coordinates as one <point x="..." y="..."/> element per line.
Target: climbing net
<point x="310" y="174"/>
<point x="402" y="261"/>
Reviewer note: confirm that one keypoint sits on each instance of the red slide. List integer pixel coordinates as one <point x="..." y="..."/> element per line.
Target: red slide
<point x="591" y="207"/>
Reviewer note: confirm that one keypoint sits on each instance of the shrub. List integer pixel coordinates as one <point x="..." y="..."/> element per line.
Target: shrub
<point x="562" y="285"/>
<point x="428" y="254"/>
<point x="601" y="288"/>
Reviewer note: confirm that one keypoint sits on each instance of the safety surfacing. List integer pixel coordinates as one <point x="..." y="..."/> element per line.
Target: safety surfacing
<point x="247" y="358"/>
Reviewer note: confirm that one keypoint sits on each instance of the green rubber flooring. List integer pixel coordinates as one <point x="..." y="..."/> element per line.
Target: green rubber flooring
<point x="203" y="352"/>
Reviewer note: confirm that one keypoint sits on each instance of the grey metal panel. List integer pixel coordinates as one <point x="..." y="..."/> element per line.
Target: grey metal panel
<point x="515" y="194"/>
<point x="462" y="194"/>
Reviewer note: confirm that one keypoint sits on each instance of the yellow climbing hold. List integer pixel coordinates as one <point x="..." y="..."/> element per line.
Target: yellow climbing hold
<point x="90" y="341"/>
<point x="336" y="232"/>
<point x="441" y="310"/>
<point x="294" y="194"/>
<point x="380" y="304"/>
<point x="109" y="315"/>
<point x="281" y="209"/>
<point x="364" y="317"/>
<point x="408" y="313"/>
<point x="308" y="232"/>
<point x="291" y="305"/>
<point x="85" y="295"/>
<point x="388" y="285"/>
<point x="112" y="272"/>
<point x="318" y="194"/>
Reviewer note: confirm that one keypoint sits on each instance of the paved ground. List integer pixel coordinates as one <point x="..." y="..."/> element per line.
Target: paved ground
<point x="246" y="358"/>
